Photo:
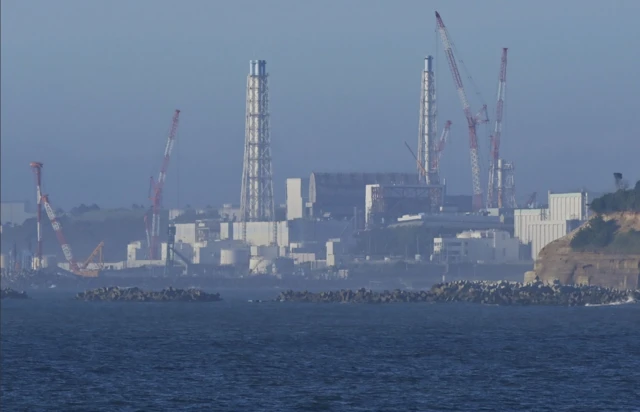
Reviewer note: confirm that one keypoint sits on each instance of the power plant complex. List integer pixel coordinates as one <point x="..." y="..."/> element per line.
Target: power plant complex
<point x="330" y="220"/>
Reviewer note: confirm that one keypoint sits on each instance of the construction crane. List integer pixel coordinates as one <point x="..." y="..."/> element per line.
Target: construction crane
<point x="472" y="121"/>
<point x="153" y="233"/>
<point x="444" y="138"/>
<point x="495" y="137"/>
<point x="439" y="148"/>
<point x="80" y="270"/>
<point x="531" y="202"/>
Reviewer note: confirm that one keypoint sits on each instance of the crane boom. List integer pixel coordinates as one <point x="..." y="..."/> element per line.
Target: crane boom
<point x="497" y="132"/>
<point x="57" y="227"/>
<point x="444" y="138"/>
<point x="158" y="188"/>
<point x="471" y="119"/>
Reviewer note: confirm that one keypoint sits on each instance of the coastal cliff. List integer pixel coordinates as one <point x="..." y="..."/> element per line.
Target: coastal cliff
<point x="613" y="263"/>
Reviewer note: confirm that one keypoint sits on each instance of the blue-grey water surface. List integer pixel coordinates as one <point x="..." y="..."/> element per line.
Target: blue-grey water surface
<point x="62" y="355"/>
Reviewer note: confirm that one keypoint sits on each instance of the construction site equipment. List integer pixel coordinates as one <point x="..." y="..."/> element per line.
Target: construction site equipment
<point x="531" y="202"/>
<point x="172" y="253"/>
<point x="153" y="233"/>
<point x="472" y="121"/>
<point x="444" y="138"/>
<point x="80" y="270"/>
<point x="37" y="170"/>
<point x="495" y="138"/>
<point x="421" y="167"/>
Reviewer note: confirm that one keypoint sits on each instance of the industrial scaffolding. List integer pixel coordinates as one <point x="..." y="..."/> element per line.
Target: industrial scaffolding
<point x="256" y="200"/>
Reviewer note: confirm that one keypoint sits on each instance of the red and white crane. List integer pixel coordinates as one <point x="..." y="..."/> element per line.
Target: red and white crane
<point x="37" y="169"/>
<point x="78" y="269"/>
<point x="472" y="120"/>
<point x="495" y="137"/>
<point x="57" y="227"/>
<point x="153" y="234"/>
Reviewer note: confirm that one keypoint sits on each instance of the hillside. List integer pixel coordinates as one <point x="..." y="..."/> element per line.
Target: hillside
<point x="116" y="227"/>
<point x="605" y="251"/>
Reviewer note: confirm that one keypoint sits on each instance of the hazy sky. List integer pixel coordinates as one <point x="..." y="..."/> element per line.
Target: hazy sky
<point x="89" y="88"/>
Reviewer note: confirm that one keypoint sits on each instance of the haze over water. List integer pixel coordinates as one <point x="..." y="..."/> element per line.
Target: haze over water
<point x="89" y="89"/>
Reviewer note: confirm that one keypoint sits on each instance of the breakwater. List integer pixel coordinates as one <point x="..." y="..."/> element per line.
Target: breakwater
<point x="8" y="293"/>
<point x="490" y="293"/>
<point x="117" y="294"/>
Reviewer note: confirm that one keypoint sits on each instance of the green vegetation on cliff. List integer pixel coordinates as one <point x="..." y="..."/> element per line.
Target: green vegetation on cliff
<point x="619" y="201"/>
<point x="601" y="235"/>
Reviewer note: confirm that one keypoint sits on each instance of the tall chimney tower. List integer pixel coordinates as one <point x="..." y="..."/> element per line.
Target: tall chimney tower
<point x="256" y="200"/>
<point x="37" y="169"/>
<point x="427" y="139"/>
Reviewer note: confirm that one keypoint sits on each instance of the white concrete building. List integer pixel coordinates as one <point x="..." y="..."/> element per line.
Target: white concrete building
<point x="486" y="246"/>
<point x="539" y="227"/>
<point x="186" y="233"/>
<point x="297" y="198"/>
<point x="204" y="230"/>
<point x="290" y="231"/>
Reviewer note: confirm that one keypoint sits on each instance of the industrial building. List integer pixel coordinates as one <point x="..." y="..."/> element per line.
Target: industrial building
<point x="342" y="195"/>
<point x="488" y="246"/>
<point x="298" y="231"/>
<point x="297" y="198"/>
<point x="386" y="203"/>
<point x="539" y="227"/>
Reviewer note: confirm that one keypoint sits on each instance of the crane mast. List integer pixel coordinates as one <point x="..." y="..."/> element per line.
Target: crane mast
<point x="472" y="120"/>
<point x="158" y="186"/>
<point x="495" y="137"/>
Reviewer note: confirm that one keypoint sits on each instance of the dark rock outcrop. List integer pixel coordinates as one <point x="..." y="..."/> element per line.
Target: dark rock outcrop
<point x="117" y="294"/>
<point x="8" y="293"/>
<point x="492" y="293"/>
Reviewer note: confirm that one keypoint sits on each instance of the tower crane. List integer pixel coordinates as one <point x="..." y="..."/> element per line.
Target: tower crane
<point x="472" y="120"/>
<point x="153" y="233"/>
<point x="495" y="137"/>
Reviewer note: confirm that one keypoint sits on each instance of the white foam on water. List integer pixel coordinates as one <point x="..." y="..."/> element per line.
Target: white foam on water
<point x="630" y="299"/>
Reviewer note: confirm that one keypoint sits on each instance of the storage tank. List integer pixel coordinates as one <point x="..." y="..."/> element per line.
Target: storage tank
<point x="234" y="257"/>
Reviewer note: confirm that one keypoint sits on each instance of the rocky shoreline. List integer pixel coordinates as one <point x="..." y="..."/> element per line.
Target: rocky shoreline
<point x="490" y="293"/>
<point x="8" y="293"/>
<point x="117" y="294"/>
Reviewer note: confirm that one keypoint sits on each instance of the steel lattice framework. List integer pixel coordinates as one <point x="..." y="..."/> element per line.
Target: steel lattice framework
<point x="256" y="200"/>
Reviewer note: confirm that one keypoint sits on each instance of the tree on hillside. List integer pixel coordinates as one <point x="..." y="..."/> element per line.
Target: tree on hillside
<point x="597" y="234"/>
<point x="620" y="201"/>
